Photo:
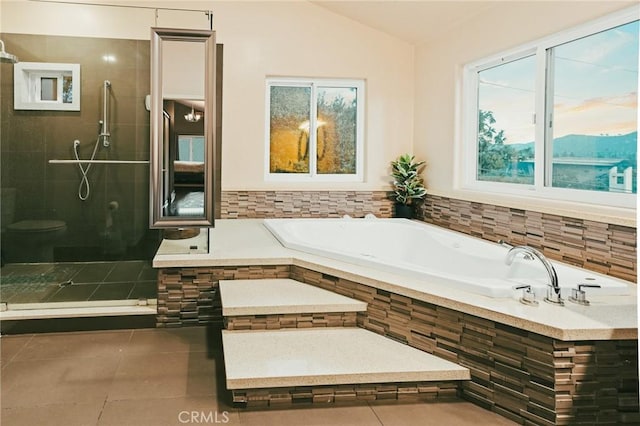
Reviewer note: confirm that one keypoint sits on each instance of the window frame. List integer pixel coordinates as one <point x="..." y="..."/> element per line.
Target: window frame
<point x="540" y="189"/>
<point x="313" y="175"/>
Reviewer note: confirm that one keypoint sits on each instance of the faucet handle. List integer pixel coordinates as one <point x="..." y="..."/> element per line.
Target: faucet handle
<point x="579" y="296"/>
<point x="528" y="296"/>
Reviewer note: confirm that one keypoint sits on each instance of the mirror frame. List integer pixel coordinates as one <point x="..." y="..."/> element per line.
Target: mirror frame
<point x="156" y="198"/>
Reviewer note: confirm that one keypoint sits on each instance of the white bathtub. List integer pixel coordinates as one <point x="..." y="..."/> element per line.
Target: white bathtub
<point x="434" y="254"/>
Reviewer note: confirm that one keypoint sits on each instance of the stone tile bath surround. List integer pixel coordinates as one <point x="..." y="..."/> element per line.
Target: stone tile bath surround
<point x="526" y="376"/>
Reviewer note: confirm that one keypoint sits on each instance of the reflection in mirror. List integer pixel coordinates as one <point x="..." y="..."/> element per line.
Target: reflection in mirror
<point x="186" y="154"/>
<point x="183" y="128"/>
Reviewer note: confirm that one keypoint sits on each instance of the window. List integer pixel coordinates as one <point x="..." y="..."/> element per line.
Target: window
<point x="191" y="148"/>
<point x="558" y="118"/>
<point x="46" y="86"/>
<point x="314" y="129"/>
<point x="506" y="101"/>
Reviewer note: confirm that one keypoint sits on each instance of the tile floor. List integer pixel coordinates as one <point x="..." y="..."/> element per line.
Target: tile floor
<point x="161" y="377"/>
<point x="77" y="281"/>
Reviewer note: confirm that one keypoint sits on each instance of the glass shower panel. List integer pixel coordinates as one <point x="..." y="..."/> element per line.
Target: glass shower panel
<point x="72" y="234"/>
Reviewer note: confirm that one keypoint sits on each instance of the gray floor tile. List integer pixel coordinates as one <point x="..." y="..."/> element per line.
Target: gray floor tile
<point x="167" y="377"/>
<point x="57" y="381"/>
<point x="167" y="412"/>
<point x="10" y="347"/>
<point x="151" y="376"/>
<point x="153" y="341"/>
<point x="437" y="413"/>
<point x="93" y="344"/>
<point x="358" y="415"/>
<point x="67" y="414"/>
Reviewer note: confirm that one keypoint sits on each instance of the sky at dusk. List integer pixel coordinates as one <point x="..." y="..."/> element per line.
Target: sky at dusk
<point x="595" y="88"/>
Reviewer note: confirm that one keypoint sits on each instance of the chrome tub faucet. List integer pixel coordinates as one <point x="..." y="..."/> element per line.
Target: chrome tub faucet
<point x="529" y="253"/>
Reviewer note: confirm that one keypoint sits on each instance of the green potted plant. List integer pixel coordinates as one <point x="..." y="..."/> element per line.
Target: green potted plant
<point x="408" y="187"/>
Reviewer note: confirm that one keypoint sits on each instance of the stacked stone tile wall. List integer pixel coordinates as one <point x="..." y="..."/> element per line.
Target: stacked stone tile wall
<point x="278" y="321"/>
<point x="274" y="204"/>
<point x="606" y="248"/>
<point x="529" y="378"/>
<point x="288" y="396"/>
<point x="190" y="296"/>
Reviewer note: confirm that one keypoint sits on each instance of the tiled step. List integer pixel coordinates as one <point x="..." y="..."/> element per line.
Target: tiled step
<point x="327" y="356"/>
<point x="281" y="296"/>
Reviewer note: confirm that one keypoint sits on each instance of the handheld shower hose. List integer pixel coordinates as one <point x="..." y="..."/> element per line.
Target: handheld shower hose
<point x="84" y="189"/>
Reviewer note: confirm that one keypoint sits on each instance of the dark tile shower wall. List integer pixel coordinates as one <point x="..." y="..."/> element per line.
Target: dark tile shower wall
<point x="28" y="139"/>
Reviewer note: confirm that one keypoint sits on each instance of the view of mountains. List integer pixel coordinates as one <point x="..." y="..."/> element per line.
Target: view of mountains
<point x="586" y="146"/>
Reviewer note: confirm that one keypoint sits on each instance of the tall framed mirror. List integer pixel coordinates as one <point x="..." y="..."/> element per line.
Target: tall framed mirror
<point x="183" y="128"/>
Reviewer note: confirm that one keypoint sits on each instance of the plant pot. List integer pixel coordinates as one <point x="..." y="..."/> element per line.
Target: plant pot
<point x="404" y="211"/>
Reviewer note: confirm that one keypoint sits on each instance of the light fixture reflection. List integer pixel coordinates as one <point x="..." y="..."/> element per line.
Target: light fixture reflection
<point x="305" y="125"/>
<point x="193" y="116"/>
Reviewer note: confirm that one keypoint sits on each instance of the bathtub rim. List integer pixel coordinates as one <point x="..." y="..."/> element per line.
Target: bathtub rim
<point x="281" y="231"/>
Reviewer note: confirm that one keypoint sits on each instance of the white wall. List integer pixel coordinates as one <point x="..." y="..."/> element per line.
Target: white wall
<point x="437" y="83"/>
<point x="263" y="39"/>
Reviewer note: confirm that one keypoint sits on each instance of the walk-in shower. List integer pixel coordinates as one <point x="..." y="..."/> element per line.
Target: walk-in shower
<point x="80" y="190"/>
<point x="86" y="203"/>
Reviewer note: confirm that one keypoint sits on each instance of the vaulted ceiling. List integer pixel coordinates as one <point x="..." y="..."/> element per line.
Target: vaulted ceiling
<point x="417" y="22"/>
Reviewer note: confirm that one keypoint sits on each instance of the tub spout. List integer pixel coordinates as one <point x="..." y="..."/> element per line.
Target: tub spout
<point x="553" y="288"/>
<point x="505" y="244"/>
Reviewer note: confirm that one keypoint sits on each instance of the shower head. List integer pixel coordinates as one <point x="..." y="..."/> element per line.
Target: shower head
<point x="7" y="57"/>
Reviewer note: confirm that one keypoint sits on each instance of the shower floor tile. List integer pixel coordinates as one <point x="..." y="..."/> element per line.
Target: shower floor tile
<point x="112" y="291"/>
<point x="29" y="293"/>
<point x="61" y="282"/>
<point x="124" y="271"/>
<point x="147" y="273"/>
<point x="94" y="272"/>
<point x="74" y="292"/>
<point x="21" y="269"/>
<point x="144" y="289"/>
